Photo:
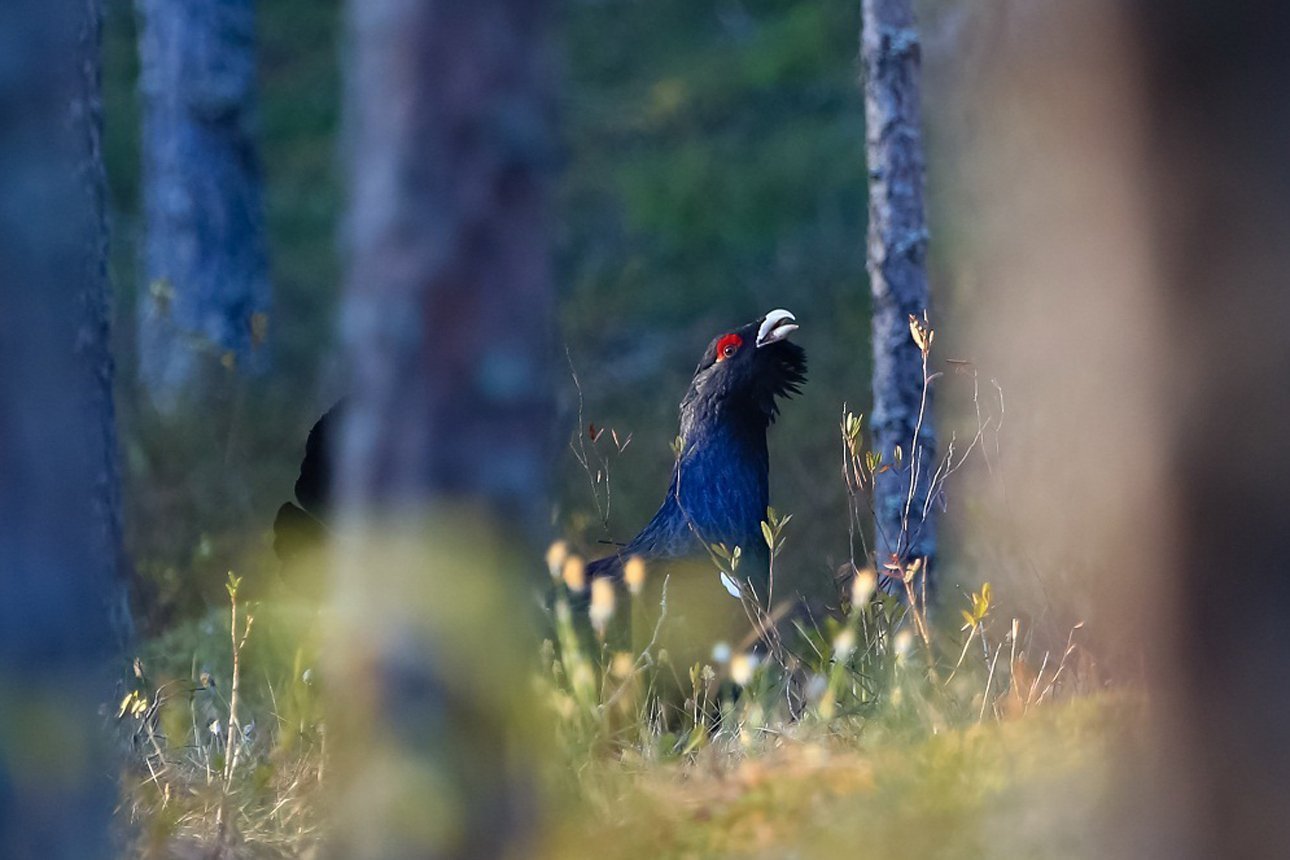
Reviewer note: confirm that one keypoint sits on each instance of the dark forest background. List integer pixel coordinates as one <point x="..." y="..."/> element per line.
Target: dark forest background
<point x="711" y="169"/>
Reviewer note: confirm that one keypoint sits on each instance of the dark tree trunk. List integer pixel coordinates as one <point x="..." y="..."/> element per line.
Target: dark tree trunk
<point x="1218" y="124"/>
<point x="62" y="613"/>
<point x="205" y="299"/>
<point x="897" y="280"/>
<point x="449" y="306"/>
<point x="448" y="318"/>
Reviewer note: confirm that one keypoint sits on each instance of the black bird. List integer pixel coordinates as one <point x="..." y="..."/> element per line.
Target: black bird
<point x="299" y="530"/>
<point x="719" y="489"/>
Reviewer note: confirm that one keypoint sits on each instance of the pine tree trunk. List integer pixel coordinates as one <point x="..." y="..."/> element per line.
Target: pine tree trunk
<point x="448" y="319"/>
<point x="203" y="309"/>
<point x="62" y="609"/>
<point x="898" y="280"/>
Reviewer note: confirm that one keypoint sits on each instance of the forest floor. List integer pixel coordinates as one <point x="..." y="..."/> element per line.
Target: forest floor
<point x="1046" y="779"/>
<point x="1032" y="787"/>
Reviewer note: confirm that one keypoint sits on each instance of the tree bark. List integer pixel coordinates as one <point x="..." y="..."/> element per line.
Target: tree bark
<point x="445" y="450"/>
<point x="897" y="280"/>
<point x="203" y="308"/>
<point x="62" y="608"/>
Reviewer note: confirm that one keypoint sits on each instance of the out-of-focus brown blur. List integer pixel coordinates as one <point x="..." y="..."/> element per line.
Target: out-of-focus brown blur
<point x="1056" y="294"/>
<point x="1125" y="204"/>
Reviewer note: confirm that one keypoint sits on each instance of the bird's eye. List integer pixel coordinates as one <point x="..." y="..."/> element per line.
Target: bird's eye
<point x="728" y="346"/>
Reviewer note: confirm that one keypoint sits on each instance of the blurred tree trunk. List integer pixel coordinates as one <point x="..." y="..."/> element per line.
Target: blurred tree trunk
<point x="62" y="612"/>
<point x="445" y="450"/>
<point x="1136" y="272"/>
<point x="897" y="266"/>
<point x="1218" y="130"/>
<point x="204" y="304"/>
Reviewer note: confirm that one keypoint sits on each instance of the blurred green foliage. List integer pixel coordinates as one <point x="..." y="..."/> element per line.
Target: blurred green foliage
<point x="714" y="170"/>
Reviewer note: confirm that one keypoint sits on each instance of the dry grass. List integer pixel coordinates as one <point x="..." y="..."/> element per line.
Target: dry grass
<point x="1033" y="787"/>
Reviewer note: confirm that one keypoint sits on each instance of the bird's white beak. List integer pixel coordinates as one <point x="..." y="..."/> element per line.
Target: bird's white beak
<point x="777" y="325"/>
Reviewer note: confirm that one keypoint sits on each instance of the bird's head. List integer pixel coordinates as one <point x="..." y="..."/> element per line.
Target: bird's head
<point x="746" y="369"/>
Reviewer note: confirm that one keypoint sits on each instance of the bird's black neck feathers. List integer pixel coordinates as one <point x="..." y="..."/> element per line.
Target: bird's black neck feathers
<point x="720" y="482"/>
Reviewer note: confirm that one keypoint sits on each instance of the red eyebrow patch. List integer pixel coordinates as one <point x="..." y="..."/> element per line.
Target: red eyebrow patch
<point x="728" y="346"/>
